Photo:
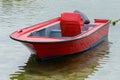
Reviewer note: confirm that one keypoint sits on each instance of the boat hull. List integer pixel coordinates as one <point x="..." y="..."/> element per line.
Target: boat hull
<point x="46" y="50"/>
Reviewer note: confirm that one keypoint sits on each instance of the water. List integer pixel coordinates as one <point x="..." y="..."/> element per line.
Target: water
<point x="17" y="63"/>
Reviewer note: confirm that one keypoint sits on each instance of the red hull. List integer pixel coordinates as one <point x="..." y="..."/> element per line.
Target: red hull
<point x="50" y="47"/>
<point x="45" y="50"/>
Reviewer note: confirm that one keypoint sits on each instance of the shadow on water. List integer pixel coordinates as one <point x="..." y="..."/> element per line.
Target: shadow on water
<point x="74" y="67"/>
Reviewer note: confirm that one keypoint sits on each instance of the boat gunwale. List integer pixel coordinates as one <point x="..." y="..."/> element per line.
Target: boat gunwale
<point x="61" y="39"/>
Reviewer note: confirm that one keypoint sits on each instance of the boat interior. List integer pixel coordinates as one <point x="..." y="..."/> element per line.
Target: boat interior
<point x="54" y="31"/>
<point x="70" y="25"/>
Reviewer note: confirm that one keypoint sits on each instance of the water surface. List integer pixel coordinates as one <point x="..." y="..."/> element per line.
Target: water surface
<point x="17" y="63"/>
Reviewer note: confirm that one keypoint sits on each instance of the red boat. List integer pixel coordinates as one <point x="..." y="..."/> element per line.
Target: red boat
<point x="70" y="33"/>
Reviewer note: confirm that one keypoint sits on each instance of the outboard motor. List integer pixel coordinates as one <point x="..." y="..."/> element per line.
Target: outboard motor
<point x="84" y="17"/>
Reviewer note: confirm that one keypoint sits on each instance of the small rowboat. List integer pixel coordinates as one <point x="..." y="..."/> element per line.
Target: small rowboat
<point x="70" y="33"/>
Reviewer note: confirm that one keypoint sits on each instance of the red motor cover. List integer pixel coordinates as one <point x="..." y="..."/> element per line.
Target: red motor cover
<point x="71" y="24"/>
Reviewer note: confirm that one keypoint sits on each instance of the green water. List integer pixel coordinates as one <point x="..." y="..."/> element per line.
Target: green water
<point x="17" y="63"/>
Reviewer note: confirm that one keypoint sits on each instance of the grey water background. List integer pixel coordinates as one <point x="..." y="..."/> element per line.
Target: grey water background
<point x="17" y="63"/>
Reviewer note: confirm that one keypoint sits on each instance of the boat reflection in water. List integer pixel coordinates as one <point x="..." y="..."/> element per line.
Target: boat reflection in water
<point x="74" y="67"/>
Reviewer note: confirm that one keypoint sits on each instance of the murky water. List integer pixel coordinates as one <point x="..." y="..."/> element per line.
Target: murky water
<point x="17" y="63"/>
